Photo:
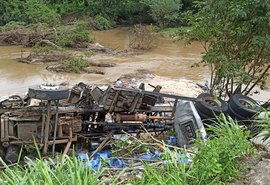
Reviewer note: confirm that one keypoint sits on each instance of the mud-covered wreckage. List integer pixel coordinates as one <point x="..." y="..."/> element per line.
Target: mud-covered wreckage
<point x="87" y="114"/>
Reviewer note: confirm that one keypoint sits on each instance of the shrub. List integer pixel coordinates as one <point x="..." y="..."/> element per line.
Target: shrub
<point x="12" y="25"/>
<point x="11" y="11"/>
<point x="75" y="64"/>
<point x="216" y="160"/>
<point x="69" y="36"/>
<point x="164" y="11"/>
<point x="37" y="11"/>
<point x="102" y="23"/>
<point x="141" y="37"/>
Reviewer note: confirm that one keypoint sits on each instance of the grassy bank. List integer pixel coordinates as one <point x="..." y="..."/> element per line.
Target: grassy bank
<point x="216" y="162"/>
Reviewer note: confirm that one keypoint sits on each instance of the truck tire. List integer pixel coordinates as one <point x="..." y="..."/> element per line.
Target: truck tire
<point x="235" y="115"/>
<point x="209" y="106"/>
<point x="206" y="119"/>
<point x="12" y="153"/>
<point x="244" y="106"/>
<point x="48" y="92"/>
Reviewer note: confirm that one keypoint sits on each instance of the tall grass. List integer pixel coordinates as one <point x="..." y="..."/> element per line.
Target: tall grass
<point x="49" y="172"/>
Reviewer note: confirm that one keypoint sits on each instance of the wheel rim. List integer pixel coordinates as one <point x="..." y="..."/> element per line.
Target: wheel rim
<point x="49" y="87"/>
<point x="248" y="104"/>
<point x="212" y="102"/>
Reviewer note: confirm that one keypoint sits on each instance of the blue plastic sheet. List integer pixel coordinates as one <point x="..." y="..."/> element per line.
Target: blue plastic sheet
<point x="104" y="154"/>
<point x="93" y="164"/>
<point x="150" y="155"/>
<point x="83" y="156"/>
<point x="117" y="163"/>
<point x="171" y="140"/>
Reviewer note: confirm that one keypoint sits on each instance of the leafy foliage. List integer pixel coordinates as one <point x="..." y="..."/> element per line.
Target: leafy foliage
<point x="102" y="23"/>
<point x="69" y="36"/>
<point x="75" y="64"/>
<point x="164" y="11"/>
<point x="37" y="11"/>
<point x="217" y="158"/>
<point x="12" y="25"/>
<point x="236" y="37"/>
<point x="11" y="11"/>
<point x="31" y="11"/>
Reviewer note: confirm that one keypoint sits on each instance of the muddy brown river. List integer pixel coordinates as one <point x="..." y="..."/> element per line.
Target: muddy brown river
<point x="168" y="58"/>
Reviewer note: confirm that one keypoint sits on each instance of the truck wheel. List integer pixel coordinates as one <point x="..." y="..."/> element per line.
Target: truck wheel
<point x="210" y="106"/>
<point x="12" y="154"/>
<point x="43" y="92"/>
<point x="206" y="119"/>
<point x="235" y="115"/>
<point x="244" y="106"/>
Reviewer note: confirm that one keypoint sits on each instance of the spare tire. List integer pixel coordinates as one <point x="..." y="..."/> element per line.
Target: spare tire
<point x="43" y="92"/>
<point x="208" y="105"/>
<point x="244" y="106"/>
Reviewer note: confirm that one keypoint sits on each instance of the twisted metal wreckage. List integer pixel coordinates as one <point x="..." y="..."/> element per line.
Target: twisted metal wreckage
<point x="88" y="114"/>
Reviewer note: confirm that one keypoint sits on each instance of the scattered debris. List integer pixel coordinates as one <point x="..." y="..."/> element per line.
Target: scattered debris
<point x="36" y="57"/>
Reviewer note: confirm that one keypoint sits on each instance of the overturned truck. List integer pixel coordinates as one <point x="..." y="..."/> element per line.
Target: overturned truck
<point x="87" y="114"/>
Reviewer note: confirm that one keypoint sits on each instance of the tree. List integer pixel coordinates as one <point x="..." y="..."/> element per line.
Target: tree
<point x="236" y="39"/>
<point x="37" y="11"/>
<point x="11" y="11"/>
<point x="164" y="11"/>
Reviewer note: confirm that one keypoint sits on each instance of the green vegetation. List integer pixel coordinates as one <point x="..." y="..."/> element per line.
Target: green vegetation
<point x="236" y="37"/>
<point x="163" y="13"/>
<point x="72" y="36"/>
<point x="74" y="64"/>
<point x="170" y="32"/>
<point x="30" y="11"/>
<point x="216" y="162"/>
<point x="37" y="11"/>
<point x="102" y="23"/>
<point x="48" y="172"/>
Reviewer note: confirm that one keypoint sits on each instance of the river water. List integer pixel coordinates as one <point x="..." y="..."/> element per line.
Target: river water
<point x="168" y="58"/>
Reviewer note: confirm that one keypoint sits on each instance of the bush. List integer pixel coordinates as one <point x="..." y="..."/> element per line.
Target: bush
<point x="11" y="11"/>
<point x="102" y="23"/>
<point x="217" y="159"/>
<point x="141" y="37"/>
<point x="12" y="25"/>
<point x="75" y="64"/>
<point x="70" y="36"/>
<point x="37" y="11"/>
<point x="164" y="11"/>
